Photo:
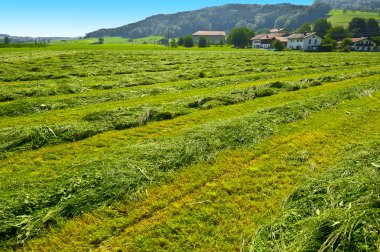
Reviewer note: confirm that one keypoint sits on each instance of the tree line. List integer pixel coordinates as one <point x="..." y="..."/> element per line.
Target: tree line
<point x="358" y="27"/>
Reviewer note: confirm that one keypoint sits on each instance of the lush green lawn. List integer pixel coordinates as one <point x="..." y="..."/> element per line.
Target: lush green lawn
<point x="341" y="18"/>
<point x="110" y="147"/>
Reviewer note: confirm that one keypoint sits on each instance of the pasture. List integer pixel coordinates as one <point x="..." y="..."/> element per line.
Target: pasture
<point x="343" y="18"/>
<point x="146" y="148"/>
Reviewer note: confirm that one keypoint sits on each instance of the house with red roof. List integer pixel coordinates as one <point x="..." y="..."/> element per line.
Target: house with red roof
<point x="265" y="40"/>
<point x="363" y="44"/>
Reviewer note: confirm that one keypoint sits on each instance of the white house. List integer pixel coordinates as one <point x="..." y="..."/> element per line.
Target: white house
<point x="304" y="41"/>
<point x="363" y="44"/>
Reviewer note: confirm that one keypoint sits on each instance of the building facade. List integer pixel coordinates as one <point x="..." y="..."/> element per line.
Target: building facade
<point x="363" y="44"/>
<point x="265" y="41"/>
<point x="213" y="37"/>
<point x="304" y="41"/>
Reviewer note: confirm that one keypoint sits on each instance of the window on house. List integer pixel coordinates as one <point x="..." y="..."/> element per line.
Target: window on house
<point x="309" y="41"/>
<point x="315" y="42"/>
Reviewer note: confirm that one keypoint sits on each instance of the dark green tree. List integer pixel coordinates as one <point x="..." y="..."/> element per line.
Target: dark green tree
<point x="376" y="40"/>
<point x="372" y="25"/>
<point x="173" y="43"/>
<point x="7" y="40"/>
<point x="328" y="44"/>
<point x="277" y="45"/>
<point x="337" y="33"/>
<point x="321" y="26"/>
<point x="345" y="45"/>
<point x="180" y="41"/>
<point x="101" y="40"/>
<point x="357" y="26"/>
<point x="305" y="27"/>
<point x="240" y="37"/>
<point x="202" y="42"/>
<point x="188" y="41"/>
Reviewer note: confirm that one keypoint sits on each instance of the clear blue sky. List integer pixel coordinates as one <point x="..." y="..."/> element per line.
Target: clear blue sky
<point x="77" y="17"/>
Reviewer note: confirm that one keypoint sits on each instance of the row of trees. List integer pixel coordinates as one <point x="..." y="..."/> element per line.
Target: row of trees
<point x="6" y="40"/>
<point x="239" y="38"/>
<point x="358" y="27"/>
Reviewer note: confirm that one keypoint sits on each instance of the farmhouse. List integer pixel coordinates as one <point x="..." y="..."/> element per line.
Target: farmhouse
<point x="214" y="37"/>
<point x="362" y="44"/>
<point x="265" y="40"/>
<point x="304" y="41"/>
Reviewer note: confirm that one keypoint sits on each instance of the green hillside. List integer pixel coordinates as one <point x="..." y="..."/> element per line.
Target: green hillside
<point x="342" y="18"/>
<point x="146" y="148"/>
<point x="219" y="18"/>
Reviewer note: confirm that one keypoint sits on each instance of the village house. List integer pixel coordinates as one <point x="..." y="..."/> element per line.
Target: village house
<point x="363" y="44"/>
<point x="265" y="40"/>
<point x="213" y="37"/>
<point x="304" y="41"/>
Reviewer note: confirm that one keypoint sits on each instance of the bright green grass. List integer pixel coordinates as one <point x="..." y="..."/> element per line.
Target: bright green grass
<point x="108" y="40"/>
<point x="218" y="205"/>
<point x="339" y="18"/>
<point x="68" y="108"/>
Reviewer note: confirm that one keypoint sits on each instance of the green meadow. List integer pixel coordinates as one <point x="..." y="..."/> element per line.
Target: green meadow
<point x="343" y="18"/>
<point x="108" y="40"/>
<point x="121" y="147"/>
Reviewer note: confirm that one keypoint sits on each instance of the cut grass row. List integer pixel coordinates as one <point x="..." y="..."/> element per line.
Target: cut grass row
<point x="159" y="93"/>
<point x="13" y="92"/>
<point x="338" y="211"/>
<point x="145" y="67"/>
<point x="24" y="138"/>
<point x="218" y="205"/>
<point x="109" y="180"/>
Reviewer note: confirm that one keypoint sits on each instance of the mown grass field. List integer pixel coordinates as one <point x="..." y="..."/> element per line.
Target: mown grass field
<point x="341" y="18"/>
<point x="114" y="148"/>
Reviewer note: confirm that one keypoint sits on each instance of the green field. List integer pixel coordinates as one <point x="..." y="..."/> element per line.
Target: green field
<point x="108" y="40"/>
<point x="146" y="148"/>
<point x="341" y="18"/>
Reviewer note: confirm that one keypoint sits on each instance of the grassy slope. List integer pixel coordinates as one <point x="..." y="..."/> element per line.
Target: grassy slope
<point x="169" y="208"/>
<point x="338" y="18"/>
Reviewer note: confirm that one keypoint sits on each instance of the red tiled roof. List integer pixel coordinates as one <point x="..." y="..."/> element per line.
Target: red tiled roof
<point x="282" y="39"/>
<point x="258" y="36"/>
<point x="267" y="36"/>
<point x="358" y="39"/>
<point x="209" y="33"/>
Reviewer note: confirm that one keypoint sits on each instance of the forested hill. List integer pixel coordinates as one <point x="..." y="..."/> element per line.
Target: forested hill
<point x="225" y="18"/>
<point x="363" y="5"/>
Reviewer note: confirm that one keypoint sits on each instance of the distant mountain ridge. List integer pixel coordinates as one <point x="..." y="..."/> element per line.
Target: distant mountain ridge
<point x="19" y="39"/>
<point x="225" y="18"/>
